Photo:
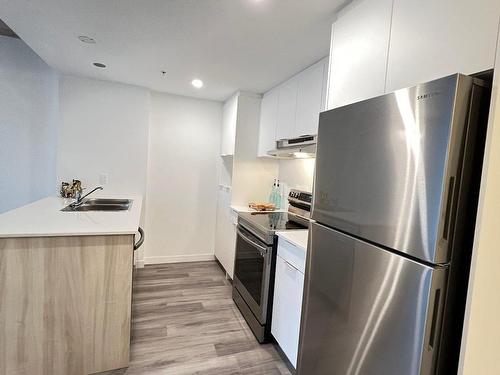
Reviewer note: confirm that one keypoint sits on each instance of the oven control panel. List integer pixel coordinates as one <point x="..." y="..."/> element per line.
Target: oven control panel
<point x="300" y="196"/>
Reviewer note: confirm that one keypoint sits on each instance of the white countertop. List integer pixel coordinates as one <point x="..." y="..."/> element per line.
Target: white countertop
<point x="44" y="218"/>
<point x="296" y="237"/>
<point x="241" y="208"/>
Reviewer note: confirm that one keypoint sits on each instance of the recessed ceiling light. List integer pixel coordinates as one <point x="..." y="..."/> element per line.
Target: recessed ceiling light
<point x="100" y="65"/>
<point x="86" y="39"/>
<point x="198" y="83"/>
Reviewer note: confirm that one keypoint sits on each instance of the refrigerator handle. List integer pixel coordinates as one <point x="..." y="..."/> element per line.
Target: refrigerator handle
<point x="434" y="322"/>
<point x="449" y="208"/>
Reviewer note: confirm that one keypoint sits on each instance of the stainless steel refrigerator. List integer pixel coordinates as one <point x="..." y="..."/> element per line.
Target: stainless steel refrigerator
<point x="395" y="197"/>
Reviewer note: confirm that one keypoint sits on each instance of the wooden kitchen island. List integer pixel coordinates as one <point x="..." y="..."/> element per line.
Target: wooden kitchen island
<point x="65" y="294"/>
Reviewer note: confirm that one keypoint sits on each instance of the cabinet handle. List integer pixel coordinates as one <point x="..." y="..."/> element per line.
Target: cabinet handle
<point x="141" y="240"/>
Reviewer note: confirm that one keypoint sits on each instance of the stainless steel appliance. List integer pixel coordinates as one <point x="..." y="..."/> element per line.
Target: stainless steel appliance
<point x="396" y="186"/>
<point x="255" y="260"/>
<point x="295" y="148"/>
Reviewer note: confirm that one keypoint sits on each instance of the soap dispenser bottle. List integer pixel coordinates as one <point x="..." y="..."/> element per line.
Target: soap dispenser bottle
<point x="278" y="196"/>
<point x="272" y="195"/>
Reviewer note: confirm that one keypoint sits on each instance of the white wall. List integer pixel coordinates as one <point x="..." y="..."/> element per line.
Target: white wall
<point x="181" y="203"/>
<point x="103" y="129"/>
<point x="481" y="337"/>
<point x="28" y="125"/>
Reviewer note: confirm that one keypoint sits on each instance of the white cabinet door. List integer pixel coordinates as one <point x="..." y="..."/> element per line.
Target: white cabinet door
<point x="358" y="54"/>
<point x="229" y="118"/>
<point x="287" y="307"/>
<point x="267" y="125"/>
<point x="225" y="232"/>
<point x="309" y="96"/>
<point x="324" y="90"/>
<point x="219" y="225"/>
<point x="287" y="108"/>
<point x="435" y="38"/>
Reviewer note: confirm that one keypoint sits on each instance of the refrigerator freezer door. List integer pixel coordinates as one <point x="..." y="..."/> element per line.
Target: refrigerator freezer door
<point x="367" y="311"/>
<point x="385" y="166"/>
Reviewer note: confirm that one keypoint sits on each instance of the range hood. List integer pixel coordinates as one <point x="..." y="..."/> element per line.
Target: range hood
<point x="295" y="148"/>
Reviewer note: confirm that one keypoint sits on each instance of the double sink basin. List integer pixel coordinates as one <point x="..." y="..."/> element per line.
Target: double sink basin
<point x="100" y="204"/>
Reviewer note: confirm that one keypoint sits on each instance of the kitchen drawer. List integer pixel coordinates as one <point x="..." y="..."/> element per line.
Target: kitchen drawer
<point x="293" y="254"/>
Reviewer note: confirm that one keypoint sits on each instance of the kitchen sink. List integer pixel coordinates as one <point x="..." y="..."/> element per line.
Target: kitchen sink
<point x="107" y="201"/>
<point x="100" y="204"/>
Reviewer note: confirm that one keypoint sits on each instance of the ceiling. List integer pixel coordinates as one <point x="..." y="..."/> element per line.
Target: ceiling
<point x="231" y="45"/>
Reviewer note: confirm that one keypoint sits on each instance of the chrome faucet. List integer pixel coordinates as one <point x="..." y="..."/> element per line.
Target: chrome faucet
<point x="79" y="197"/>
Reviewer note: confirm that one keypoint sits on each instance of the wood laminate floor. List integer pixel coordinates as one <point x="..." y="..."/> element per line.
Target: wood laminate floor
<point x="185" y="322"/>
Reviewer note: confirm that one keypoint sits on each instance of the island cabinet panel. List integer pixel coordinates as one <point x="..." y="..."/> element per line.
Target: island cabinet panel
<point x="65" y="304"/>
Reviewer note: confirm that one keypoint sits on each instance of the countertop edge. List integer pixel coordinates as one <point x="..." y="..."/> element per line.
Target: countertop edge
<point x="43" y="218"/>
<point x="67" y="234"/>
<point x="239" y="209"/>
<point x="286" y="235"/>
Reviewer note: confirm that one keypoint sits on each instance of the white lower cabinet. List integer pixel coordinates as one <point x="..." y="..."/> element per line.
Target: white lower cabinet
<point x="287" y="304"/>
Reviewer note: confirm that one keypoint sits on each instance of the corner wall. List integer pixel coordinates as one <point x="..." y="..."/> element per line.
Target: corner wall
<point x="28" y="125"/>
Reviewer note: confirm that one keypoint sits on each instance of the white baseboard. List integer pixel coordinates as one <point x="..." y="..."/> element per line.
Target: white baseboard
<point x="140" y="263"/>
<point x="179" y="258"/>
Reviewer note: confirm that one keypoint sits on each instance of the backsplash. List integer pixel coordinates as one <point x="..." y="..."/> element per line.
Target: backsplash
<point x="297" y="174"/>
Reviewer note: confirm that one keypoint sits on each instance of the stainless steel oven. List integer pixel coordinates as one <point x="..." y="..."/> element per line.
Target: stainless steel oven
<point x="255" y="261"/>
<point x="252" y="269"/>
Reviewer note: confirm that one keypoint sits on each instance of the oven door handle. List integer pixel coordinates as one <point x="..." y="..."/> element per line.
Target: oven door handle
<point x="262" y="249"/>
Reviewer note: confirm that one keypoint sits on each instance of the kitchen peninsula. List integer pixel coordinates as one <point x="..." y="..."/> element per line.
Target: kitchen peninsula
<point x="65" y="288"/>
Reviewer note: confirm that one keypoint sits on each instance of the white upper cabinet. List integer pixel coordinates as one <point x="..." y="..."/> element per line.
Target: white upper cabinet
<point x="435" y="38"/>
<point x="324" y="90"/>
<point x="358" y="53"/>
<point x="292" y="109"/>
<point x="287" y="107"/>
<point x="309" y="99"/>
<point x="229" y="118"/>
<point x="268" y="120"/>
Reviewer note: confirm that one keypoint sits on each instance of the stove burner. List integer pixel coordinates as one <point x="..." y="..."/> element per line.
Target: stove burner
<point x="272" y="221"/>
